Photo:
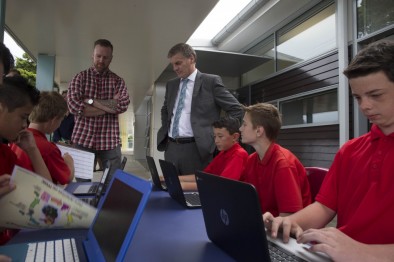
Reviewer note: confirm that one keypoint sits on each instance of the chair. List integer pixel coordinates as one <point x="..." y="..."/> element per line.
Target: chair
<point x="315" y="177"/>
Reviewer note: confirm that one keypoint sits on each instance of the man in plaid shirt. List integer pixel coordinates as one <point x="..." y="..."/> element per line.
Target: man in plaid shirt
<point x="96" y="96"/>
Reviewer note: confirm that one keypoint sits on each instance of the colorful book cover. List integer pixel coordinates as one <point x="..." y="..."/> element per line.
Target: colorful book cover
<point x="38" y="203"/>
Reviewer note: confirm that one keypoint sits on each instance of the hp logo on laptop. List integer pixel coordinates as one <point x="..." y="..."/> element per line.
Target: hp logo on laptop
<point x="224" y="217"/>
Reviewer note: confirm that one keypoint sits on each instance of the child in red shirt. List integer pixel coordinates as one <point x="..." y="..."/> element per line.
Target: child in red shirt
<point x="45" y="118"/>
<point x="17" y="99"/>
<point x="358" y="188"/>
<point x="231" y="159"/>
<point x="278" y="176"/>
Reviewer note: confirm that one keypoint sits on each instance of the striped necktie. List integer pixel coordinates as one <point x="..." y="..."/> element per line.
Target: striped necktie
<point x="181" y="102"/>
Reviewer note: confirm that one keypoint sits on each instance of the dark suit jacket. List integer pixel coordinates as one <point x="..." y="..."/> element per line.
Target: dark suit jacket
<point x="209" y="98"/>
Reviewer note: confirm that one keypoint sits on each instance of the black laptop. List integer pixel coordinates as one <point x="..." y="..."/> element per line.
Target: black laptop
<point x="95" y="199"/>
<point x="91" y="188"/>
<point x="233" y="221"/>
<point x="186" y="199"/>
<point x="123" y="163"/>
<point x="154" y="174"/>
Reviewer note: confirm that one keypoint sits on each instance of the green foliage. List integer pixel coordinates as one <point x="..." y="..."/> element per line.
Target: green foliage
<point x="27" y="67"/>
<point x="373" y="15"/>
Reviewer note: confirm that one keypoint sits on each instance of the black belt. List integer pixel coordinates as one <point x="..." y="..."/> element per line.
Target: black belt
<point x="182" y="140"/>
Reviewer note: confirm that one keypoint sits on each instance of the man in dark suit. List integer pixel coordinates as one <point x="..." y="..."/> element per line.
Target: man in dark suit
<point x="186" y="136"/>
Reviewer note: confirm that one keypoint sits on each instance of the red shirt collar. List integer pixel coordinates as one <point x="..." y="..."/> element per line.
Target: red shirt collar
<point x="376" y="133"/>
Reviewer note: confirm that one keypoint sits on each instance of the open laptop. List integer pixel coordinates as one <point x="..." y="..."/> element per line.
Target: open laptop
<point x="154" y="174"/>
<point x="94" y="200"/>
<point x="123" y="163"/>
<point x="123" y="204"/>
<point x="92" y="188"/>
<point x="186" y="199"/>
<point x="233" y="221"/>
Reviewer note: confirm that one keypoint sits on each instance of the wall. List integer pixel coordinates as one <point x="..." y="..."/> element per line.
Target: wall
<point x="140" y="126"/>
<point x="157" y="103"/>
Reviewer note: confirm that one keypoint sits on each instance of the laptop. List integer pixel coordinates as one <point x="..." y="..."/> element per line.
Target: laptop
<point x="186" y="199"/>
<point x="94" y="200"/>
<point x="123" y="204"/>
<point x="92" y="188"/>
<point x="123" y="163"/>
<point x="233" y="221"/>
<point x="154" y="174"/>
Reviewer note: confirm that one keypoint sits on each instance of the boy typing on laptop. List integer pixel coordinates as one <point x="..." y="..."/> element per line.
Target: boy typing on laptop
<point x="359" y="185"/>
<point x="231" y="159"/>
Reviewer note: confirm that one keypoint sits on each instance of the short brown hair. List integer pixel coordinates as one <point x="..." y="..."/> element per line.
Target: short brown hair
<point x="104" y="42"/>
<point x="376" y="57"/>
<point x="267" y="116"/>
<point x="51" y="105"/>
<point x="185" y="49"/>
<point x="229" y="123"/>
<point x="16" y="92"/>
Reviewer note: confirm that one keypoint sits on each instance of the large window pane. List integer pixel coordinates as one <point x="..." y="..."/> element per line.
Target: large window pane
<point x="314" y="109"/>
<point x="373" y="15"/>
<point x="266" y="49"/>
<point x="308" y="39"/>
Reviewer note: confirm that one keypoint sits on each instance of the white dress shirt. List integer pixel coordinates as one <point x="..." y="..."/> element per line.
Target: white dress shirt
<point x="185" y="127"/>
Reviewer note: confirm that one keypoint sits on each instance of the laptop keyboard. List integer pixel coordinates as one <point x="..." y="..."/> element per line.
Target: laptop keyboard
<point x="193" y="199"/>
<point x="56" y="250"/>
<point x="93" y="189"/>
<point x="279" y="254"/>
<point x="91" y="200"/>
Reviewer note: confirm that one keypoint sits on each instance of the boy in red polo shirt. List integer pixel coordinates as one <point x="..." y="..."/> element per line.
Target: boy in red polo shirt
<point x="231" y="159"/>
<point x="279" y="177"/>
<point x="17" y="99"/>
<point x="359" y="187"/>
<point x="45" y="118"/>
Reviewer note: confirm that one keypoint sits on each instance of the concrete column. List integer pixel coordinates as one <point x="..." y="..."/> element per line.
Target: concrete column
<point x="343" y="88"/>
<point x="2" y="19"/>
<point x="45" y="72"/>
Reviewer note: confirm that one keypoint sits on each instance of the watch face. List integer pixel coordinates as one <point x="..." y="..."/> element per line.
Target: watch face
<point x="90" y="101"/>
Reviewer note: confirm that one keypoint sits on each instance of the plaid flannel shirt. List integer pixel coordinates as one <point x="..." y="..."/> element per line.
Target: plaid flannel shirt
<point x="99" y="132"/>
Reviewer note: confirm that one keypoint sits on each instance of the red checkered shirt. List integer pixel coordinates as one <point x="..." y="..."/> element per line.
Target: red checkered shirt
<point x="99" y="132"/>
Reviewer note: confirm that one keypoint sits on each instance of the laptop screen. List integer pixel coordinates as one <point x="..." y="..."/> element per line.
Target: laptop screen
<point x="119" y="207"/>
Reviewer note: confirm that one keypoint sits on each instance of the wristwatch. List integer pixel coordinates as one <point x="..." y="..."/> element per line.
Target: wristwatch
<point x="90" y="101"/>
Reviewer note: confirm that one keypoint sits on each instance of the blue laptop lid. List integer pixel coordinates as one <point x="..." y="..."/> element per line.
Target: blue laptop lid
<point x="118" y="214"/>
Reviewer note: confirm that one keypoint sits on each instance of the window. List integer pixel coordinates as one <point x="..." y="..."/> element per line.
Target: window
<point x="373" y="15"/>
<point x="310" y="35"/>
<point x="306" y="40"/>
<point x="319" y="108"/>
<point x="266" y="49"/>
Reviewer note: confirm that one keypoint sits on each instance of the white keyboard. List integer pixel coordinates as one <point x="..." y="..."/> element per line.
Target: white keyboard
<point x="62" y="250"/>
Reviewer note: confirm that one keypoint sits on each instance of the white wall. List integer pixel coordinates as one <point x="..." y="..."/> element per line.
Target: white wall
<point x="140" y="125"/>
<point x="157" y="103"/>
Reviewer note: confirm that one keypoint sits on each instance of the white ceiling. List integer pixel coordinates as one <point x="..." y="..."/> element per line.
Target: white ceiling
<point x="142" y="32"/>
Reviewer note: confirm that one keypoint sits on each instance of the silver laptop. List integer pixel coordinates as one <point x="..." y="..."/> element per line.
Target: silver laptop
<point x="233" y="221"/>
<point x="186" y="199"/>
<point x="123" y="204"/>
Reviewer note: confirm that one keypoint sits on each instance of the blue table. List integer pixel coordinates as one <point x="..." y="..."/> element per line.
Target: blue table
<point x="167" y="232"/>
